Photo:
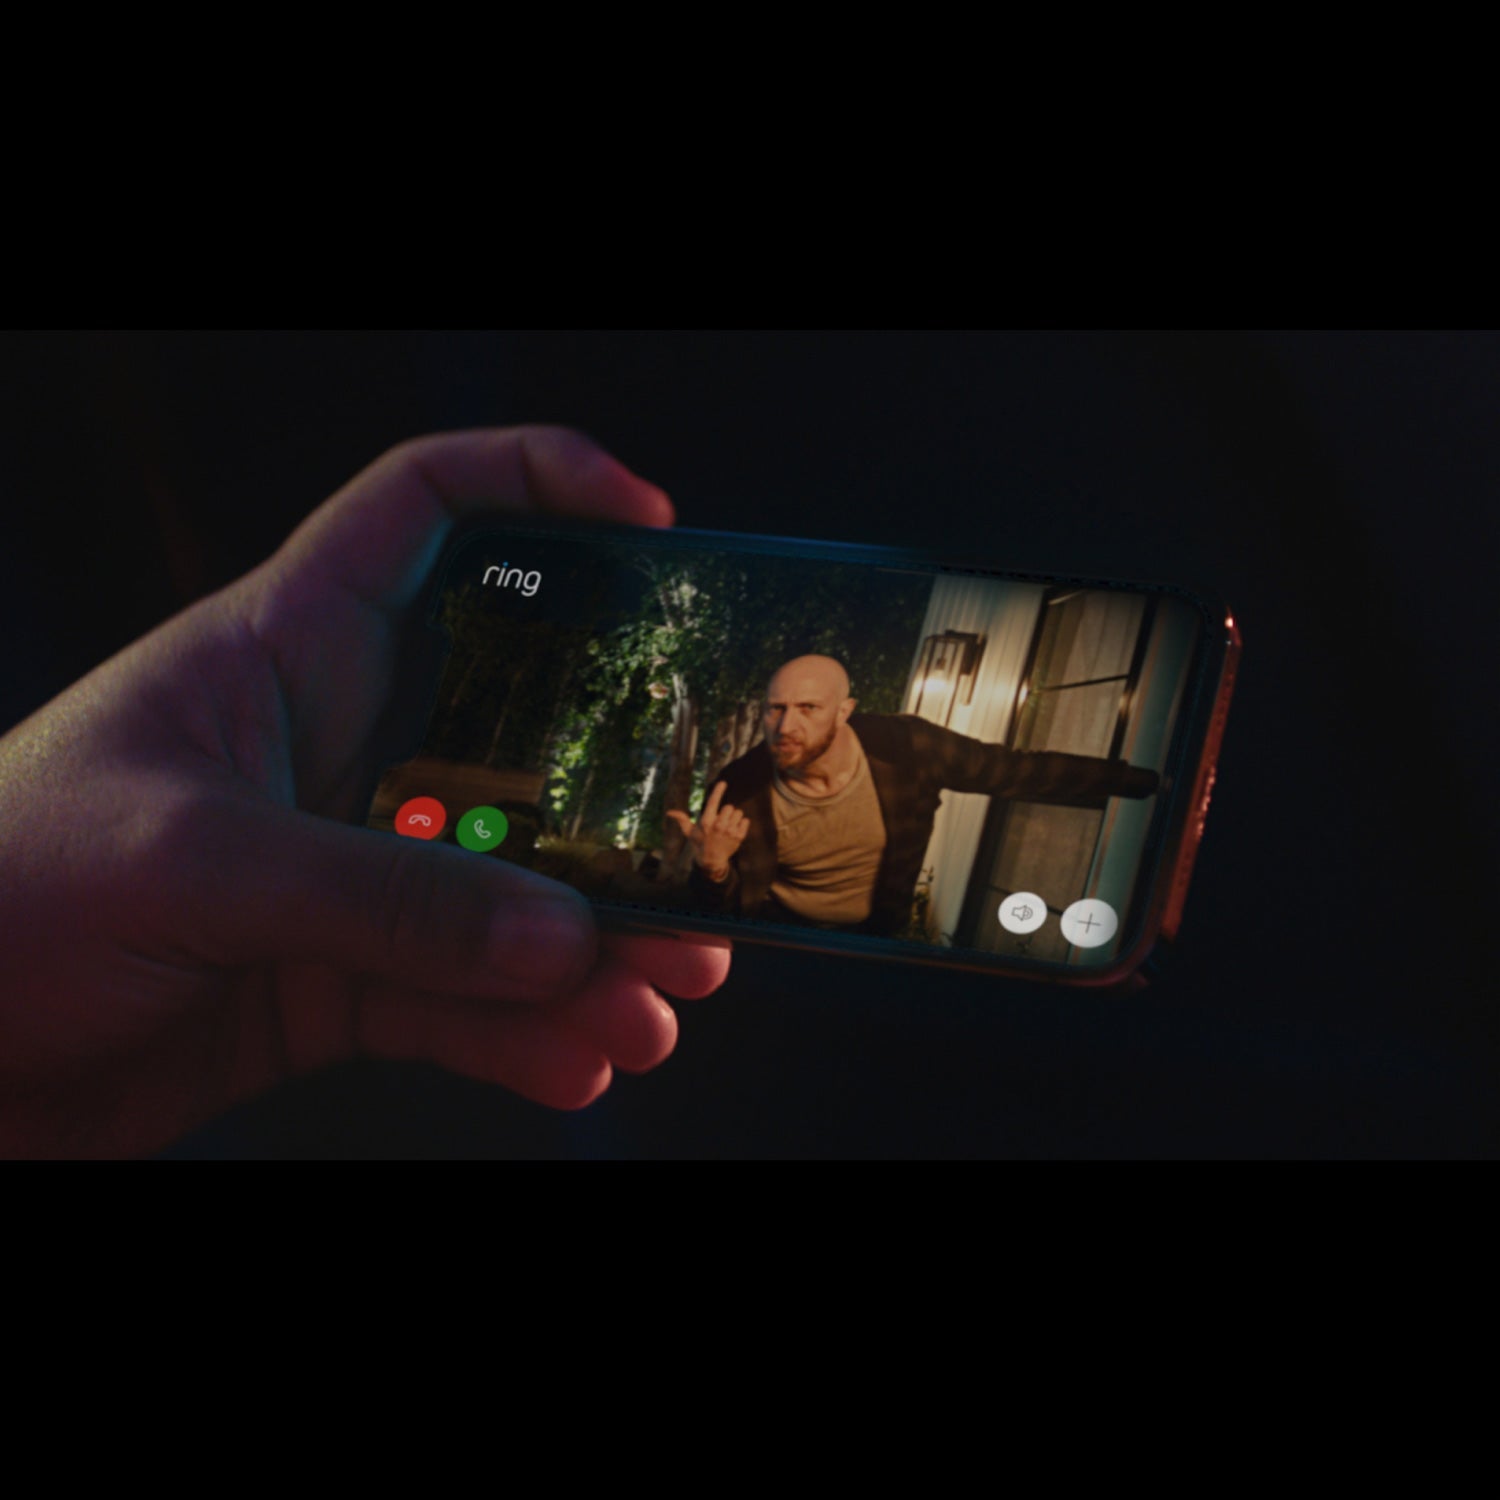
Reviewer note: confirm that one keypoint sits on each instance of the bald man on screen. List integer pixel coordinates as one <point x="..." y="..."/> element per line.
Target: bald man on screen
<point x="825" y="822"/>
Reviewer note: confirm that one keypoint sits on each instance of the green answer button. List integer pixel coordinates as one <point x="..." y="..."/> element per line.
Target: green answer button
<point x="482" y="828"/>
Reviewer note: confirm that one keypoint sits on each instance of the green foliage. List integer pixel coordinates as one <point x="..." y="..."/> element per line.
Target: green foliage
<point x="501" y="672"/>
<point x="592" y="704"/>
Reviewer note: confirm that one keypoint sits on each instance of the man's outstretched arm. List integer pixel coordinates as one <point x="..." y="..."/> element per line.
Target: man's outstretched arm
<point x="969" y="765"/>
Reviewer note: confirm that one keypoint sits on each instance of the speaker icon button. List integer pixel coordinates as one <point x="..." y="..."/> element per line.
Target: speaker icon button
<point x="1023" y="912"/>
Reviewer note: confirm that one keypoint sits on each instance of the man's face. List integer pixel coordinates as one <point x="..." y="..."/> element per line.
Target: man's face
<point x="804" y="709"/>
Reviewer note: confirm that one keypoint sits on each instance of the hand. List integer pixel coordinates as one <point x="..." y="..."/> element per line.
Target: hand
<point x="187" y="913"/>
<point x="716" y="836"/>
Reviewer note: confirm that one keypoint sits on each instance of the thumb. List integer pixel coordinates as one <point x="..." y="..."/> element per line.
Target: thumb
<point x="298" y="887"/>
<point x="682" y="820"/>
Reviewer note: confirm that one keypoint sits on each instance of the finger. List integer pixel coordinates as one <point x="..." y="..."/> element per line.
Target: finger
<point x="523" y="1049"/>
<point x="688" y="967"/>
<point x="554" y="1057"/>
<point x="684" y="822"/>
<point x="619" y="1012"/>
<point x="380" y="535"/>
<point x="307" y="889"/>
<point x="711" y="807"/>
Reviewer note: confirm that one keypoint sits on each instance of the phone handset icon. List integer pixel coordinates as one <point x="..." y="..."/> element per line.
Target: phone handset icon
<point x="421" y="818"/>
<point x="482" y="829"/>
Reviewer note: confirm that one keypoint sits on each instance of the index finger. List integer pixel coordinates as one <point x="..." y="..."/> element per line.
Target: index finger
<point x="712" y="805"/>
<point x="380" y="535"/>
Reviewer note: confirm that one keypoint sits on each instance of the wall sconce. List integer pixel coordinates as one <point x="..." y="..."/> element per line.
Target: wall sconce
<point x="946" y="673"/>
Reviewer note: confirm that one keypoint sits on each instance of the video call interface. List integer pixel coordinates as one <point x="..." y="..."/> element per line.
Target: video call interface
<point x="946" y="759"/>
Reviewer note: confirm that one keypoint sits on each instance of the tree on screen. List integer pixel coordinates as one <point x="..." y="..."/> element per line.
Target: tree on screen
<point x="691" y="669"/>
<point x="635" y="710"/>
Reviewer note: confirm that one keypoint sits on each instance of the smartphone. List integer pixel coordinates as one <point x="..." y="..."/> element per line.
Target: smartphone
<point x="862" y="751"/>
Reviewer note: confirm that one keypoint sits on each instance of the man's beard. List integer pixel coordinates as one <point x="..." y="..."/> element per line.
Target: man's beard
<point x="789" y="757"/>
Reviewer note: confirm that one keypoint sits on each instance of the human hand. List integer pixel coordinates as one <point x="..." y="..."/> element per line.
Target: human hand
<point x="187" y="914"/>
<point x="716" y="836"/>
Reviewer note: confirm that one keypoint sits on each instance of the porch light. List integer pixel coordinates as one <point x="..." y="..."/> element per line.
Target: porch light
<point x="945" y="675"/>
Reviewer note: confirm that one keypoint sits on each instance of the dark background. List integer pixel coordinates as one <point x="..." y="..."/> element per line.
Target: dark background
<point x="1332" y="994"/>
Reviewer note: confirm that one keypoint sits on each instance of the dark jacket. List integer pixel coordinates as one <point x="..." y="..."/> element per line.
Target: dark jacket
<point x="912" y="762"/>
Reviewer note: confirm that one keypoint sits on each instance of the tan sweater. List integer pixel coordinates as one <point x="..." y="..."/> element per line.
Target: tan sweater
<point x="828" y="849"/>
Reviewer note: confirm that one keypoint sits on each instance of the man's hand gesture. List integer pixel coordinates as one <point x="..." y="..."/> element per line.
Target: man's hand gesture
<point x="716" y="836"/>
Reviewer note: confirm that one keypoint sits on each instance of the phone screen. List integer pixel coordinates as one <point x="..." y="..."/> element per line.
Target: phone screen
<point x="808" y="741"/>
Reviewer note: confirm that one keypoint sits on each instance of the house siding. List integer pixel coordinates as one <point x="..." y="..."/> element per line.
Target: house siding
<point x="1005" y="615"/>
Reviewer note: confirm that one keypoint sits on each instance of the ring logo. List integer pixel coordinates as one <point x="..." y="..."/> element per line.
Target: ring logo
<point x="509" y="577"/>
